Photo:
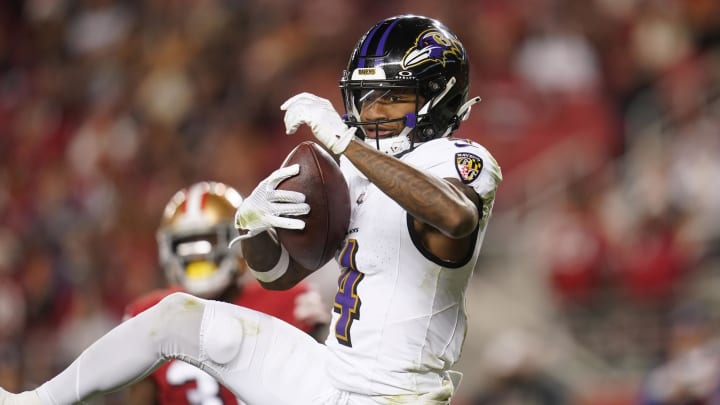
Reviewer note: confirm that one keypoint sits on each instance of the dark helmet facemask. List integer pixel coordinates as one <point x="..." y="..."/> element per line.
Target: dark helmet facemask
<point x="417" y="125"/>
<point x="394" y="144"/>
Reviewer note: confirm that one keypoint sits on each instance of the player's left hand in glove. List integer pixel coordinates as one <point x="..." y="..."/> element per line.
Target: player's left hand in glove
<point x="321" y="117"/>
<point x="267" y="208"/>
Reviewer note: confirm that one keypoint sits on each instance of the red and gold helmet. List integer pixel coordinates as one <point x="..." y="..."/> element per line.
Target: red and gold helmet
<point x="193" y="239"/>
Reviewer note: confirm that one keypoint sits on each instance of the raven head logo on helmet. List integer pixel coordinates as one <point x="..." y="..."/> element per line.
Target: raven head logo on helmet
<point x="433" y="46"/>
<point x="410" y="55"/>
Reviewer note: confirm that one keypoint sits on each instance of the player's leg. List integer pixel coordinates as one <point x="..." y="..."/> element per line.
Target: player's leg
<point x="130" y="351"/>
<point x="262" y="359"/>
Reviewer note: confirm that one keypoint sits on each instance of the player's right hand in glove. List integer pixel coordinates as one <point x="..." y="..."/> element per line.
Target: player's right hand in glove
<point x="267" y="208"/>
<point x="319" y="114"/>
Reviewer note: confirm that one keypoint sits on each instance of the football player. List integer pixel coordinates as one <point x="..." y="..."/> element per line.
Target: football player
<point x="197" y="226"/>
<point x="421" y="204"/>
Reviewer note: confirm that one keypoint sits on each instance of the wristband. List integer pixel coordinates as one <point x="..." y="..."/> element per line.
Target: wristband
<point x="277" y="271"/>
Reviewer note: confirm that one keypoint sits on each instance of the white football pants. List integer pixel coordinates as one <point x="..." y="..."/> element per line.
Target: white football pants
<point x="261" y="359"/>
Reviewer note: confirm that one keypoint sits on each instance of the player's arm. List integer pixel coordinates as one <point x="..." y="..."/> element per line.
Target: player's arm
<point x="446" y="212"/>
<point x="429" y="199"/>
<point x="270" y="263"/>
<point x="444" y="204"/>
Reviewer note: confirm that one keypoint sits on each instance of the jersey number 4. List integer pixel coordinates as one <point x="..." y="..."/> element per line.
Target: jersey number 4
<point x="347" y="301"/>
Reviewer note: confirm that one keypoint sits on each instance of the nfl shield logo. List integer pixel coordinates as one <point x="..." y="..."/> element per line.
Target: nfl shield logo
<point x="468" y="166"/>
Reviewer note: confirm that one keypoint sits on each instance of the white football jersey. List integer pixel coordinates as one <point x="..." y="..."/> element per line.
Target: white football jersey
<point x="399" y="317"/>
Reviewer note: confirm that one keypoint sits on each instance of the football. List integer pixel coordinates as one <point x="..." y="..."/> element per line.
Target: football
<point x="327" y="194"/>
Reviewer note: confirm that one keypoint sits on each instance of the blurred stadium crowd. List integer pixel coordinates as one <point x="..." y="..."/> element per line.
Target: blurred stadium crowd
<point x="600" y="282"/>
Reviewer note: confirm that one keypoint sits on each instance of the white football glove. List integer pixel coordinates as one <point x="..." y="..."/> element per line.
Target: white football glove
<point x="262" y="209"/>
<point x="321" y="117"/>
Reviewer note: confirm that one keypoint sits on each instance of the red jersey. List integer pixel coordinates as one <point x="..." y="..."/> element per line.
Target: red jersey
<point x="179" y="383"/>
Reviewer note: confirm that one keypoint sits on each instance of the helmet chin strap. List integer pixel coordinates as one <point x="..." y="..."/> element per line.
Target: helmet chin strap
<point x="464" y="110"/>
<point x="392" y="145"/>
<point x="463" y="113"/>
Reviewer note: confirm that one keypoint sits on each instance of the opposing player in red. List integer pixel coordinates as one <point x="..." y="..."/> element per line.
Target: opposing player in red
<point x="193" y="238"/>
